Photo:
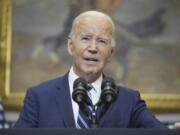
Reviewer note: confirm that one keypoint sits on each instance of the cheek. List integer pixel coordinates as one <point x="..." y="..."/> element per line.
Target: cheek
<point x="76" y="53"/>
<point x="107" y="56"/>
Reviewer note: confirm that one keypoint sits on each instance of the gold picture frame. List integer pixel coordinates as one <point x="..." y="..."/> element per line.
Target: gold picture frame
<point x="11" y="100"/>
<point x="160" y="103"/>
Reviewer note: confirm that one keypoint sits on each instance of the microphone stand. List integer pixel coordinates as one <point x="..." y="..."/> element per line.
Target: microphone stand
<point x="94" y="123"/>
<point x="93" y="120"/>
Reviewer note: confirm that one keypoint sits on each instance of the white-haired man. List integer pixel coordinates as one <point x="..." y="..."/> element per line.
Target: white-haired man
<point x="50" y="104"/>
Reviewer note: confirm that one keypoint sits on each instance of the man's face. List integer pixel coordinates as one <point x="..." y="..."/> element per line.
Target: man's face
<point x="90" y="46"/>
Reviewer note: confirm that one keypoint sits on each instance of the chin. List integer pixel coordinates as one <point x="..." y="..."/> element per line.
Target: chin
<point x="90" y="70"/>
<point x="93" y="72"/>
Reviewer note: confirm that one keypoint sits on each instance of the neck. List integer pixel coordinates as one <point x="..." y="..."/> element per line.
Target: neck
<point x="92" y="77"/>
<point x="89" y="77"/>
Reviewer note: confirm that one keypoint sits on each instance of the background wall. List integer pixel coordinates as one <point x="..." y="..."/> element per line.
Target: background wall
<point x="147" y="56"/>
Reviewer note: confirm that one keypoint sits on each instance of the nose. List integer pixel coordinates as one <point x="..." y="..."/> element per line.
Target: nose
<point x="93" y="47"/>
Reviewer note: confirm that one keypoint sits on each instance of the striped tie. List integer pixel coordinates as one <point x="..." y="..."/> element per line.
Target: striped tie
<point x="83" y="120"/>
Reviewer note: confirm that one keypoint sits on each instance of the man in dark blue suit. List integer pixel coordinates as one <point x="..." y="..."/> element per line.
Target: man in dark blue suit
<point x="50" y="104"/>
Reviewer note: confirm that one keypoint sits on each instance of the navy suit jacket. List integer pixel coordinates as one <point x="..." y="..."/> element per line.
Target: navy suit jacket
<point x="48" y="105"/>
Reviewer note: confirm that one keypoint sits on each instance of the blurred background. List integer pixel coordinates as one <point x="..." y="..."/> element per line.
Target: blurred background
<point x="147" y="56"/>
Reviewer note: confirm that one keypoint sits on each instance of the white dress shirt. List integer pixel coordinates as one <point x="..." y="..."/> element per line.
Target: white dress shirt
<point x="95" y="93"/>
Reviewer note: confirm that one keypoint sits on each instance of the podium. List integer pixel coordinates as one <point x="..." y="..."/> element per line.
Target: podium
<point x="110" y="131"/>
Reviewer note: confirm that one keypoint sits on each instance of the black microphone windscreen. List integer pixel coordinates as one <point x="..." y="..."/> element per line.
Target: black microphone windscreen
<point x="108" y="81"/>
<point x="79" y="94"/>
<point x="81" y="81"/>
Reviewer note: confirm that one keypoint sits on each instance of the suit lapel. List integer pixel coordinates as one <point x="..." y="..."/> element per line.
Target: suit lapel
<point x="64" y="102"/>
<point x="104" y="119"/>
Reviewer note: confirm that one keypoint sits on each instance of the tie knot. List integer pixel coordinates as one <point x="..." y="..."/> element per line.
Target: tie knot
<point x="89" y="87"/>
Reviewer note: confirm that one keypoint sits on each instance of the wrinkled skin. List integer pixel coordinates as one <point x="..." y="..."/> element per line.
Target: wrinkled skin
<point x="91" y="46"/>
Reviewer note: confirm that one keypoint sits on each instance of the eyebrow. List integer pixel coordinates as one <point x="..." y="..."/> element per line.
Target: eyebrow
<point x="104" y="38"/>
<point x="99" y="37"/>
<point x="84" y="34"/>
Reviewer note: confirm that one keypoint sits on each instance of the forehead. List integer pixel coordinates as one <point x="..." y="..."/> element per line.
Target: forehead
<point x="93" y="25"/>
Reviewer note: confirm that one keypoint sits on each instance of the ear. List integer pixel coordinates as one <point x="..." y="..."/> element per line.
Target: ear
<point x="69" y="48"/>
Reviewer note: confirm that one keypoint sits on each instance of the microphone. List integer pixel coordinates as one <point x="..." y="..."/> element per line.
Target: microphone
<point x="108" y="90"/>
<point x="79" y="94"/>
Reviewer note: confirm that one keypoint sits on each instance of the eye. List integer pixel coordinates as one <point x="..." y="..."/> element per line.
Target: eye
<point x="103" y="41"/>
<point x="85" y="38"/>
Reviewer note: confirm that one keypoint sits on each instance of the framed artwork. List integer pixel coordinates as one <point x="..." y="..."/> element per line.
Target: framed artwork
<point x="33" y="38"/>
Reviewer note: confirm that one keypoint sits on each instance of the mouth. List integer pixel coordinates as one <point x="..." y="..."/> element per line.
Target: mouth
<point x="91" y="59"/>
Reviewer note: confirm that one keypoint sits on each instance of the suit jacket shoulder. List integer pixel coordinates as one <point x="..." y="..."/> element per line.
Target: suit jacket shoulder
<point x="129" y="111"/>
<point x="48" y="85"/>
<point x="47" y="105"/>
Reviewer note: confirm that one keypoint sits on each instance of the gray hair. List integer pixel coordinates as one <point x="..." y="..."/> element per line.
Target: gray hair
<point x="94" y="14"/>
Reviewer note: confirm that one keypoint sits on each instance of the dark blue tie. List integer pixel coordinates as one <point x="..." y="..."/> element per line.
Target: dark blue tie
<point x="83" y="120"/>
